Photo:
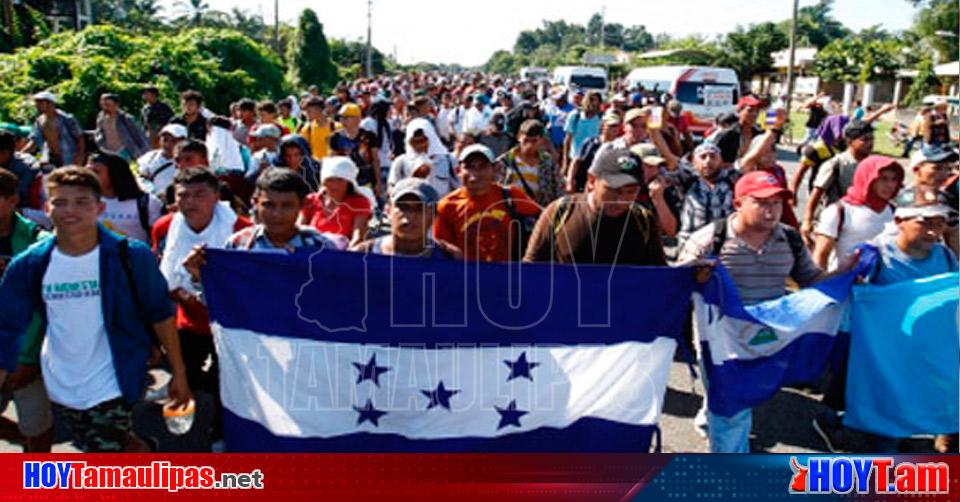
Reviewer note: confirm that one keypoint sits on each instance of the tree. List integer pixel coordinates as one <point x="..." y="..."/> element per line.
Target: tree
<point x="308" y="57"/>
<point x="935" y="18"/>
<point x="192" y="12"/>
<point x="637" y="39"/>
<point x="855" y="59"/>
<point x="347" y="53"/>
<point x="748" y="51"/>
<point x="505" y="63"/>
<point x="816" y="25"/>
<point x="925" y="82"/>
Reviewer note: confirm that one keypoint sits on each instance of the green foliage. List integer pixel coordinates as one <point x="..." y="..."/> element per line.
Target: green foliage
<point x="924" y="83"/>
<point x="816" y="25"/>
<point x="79" y="66"/>
<point x="748" y="51"/>
<point x="309" y="54"/>
<point x="855" y="59"/>
<point x="346" y="53"/>
<point x="935" y="18"/>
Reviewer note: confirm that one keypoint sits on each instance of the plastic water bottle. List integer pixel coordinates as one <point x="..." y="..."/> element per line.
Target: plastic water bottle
<point x="179" y="420"/>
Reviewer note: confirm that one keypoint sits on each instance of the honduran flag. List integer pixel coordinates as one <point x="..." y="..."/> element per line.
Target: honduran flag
<point x="344" y="352"/>
<point x="750" y="351"/>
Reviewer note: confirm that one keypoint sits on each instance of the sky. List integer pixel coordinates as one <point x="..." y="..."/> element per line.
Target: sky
<point x="444" y="31"/>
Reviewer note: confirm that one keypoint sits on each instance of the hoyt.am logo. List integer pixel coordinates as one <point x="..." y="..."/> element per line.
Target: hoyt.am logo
<point x="878" y="475"/>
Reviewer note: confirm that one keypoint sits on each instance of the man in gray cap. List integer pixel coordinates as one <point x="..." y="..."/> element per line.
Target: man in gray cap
<point x="413" y="204"/>
<point x="603" y="225"/>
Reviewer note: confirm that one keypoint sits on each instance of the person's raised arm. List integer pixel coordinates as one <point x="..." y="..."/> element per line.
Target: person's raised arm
<point x="749" y="161"/>
<point x="658" y="140"/>
<point x="874" y="115"/>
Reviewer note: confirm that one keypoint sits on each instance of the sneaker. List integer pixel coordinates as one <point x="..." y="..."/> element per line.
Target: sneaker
<point x="830" y="429"/>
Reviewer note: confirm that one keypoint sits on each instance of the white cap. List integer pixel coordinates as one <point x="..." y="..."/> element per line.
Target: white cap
<point x="339" y="167"/>
<point x="175" y="130"/>
<point x="477" y="148"/>
<point x="45" y="96"/>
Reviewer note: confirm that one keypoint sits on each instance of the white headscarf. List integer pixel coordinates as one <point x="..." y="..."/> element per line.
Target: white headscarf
<point x="436" y="146"/>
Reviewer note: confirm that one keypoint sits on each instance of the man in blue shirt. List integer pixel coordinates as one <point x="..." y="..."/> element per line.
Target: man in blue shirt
<point x="99" y="296"/>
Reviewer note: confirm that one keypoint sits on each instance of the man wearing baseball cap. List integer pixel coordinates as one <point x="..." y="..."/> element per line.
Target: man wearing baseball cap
<point x="56" y="134"/>
<point x="735" y="141"/>
<point x="932" y="167"/>
<point x="760" y="253"/>
<point x="477" y="216"/>
<point x="411" y="209"/>
<point x="158" y="167"/>
<point x="360" y="145"/>
<point x="915" y="251"/>
<point x="603" y="225"/>
<point x="660" y="196"/>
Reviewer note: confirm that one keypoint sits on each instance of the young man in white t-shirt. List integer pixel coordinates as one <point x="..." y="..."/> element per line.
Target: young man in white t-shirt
<point x="97" y="293"/>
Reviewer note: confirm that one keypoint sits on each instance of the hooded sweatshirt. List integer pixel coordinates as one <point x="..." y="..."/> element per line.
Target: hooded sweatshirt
<point x="309" y="168"/>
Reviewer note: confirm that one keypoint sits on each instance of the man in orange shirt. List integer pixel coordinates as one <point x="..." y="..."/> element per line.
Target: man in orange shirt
<point x="478" y="217"/>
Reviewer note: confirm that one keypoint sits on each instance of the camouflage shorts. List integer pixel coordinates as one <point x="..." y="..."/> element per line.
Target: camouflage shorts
<point x="103" y="428"/>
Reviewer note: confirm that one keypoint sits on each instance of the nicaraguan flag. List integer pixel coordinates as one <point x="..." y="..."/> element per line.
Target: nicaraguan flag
<point x="750" y="351"/>
<point x="344" y="352"/>
<point x="903" y="374"/>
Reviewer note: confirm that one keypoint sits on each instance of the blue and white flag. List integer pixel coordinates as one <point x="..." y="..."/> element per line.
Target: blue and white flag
<point x="904" y="357"/>
<point x="750" y="351"/>
<point x="344" y="352"/>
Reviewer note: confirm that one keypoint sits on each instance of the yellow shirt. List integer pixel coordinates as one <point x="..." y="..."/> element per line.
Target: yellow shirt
<point x="318" y="136"/>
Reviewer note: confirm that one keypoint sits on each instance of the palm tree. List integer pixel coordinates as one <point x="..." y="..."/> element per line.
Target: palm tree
<point x="192" y="12"/>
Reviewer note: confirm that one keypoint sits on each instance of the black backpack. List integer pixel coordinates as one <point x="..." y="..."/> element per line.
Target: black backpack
<point x="520" y="237"/>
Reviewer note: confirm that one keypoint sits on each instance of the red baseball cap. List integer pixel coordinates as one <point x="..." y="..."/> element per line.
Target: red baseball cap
<point x="759" y="185"/>
<point x="749" y="100"/>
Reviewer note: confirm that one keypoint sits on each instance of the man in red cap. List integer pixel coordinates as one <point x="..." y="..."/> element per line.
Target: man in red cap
<point x="760" y="253"/>
<point x="735" y="141"/>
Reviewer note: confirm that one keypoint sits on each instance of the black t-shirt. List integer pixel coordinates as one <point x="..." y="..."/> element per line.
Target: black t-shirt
<point x="729" y="142"/>
<point x="197" y="130"/>
<point x="157" y="115"/>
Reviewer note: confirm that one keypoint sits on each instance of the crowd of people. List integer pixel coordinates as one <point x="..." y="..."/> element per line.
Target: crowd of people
<point x="109" y="226"/>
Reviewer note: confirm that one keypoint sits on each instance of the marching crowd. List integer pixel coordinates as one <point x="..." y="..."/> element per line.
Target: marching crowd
<point x="103" y="232"/>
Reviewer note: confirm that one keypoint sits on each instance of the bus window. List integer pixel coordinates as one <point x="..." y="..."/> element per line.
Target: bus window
<point x="588" y="81"/>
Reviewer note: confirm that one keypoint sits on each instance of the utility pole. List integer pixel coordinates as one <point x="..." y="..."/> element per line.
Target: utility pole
<point x="369" y="42"/>
<point x="603" y="23"/>
<point x="793" y="50"/>
<point x="276" y="26"/>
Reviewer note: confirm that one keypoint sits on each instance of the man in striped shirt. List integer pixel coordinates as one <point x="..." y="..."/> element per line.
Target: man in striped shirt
<point x="760" y="253"/>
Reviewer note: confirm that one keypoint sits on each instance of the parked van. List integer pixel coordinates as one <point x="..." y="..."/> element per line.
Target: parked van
<point x="588" y="78"/>
<point x="704" y="91"/>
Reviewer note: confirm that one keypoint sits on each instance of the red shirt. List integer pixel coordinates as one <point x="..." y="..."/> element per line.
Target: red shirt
<point x="480" y="226"/>
<point x="341" y="219"/>
<point x="191" y="316"/>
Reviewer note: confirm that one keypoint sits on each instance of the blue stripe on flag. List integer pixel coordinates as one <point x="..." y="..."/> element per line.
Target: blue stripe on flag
<point x="353" y="298"/>
<point x="587" y="435"/>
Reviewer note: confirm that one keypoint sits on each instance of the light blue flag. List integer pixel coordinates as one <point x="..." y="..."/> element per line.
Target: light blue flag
<point x="904" y="356"/>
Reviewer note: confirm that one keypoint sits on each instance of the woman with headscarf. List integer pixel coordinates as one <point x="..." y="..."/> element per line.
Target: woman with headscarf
<point x="425" y="157"/>
<point x="861" y="214"/>
<point x="295" y="154"/>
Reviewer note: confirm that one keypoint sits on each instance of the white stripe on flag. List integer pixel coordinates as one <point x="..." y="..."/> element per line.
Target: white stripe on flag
<point x="305" y="388"/>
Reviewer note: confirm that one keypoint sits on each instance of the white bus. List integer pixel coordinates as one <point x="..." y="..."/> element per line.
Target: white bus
<point x="588" y="78"/>
<point x="704" y="91"/>
<point x="533" y="73"/>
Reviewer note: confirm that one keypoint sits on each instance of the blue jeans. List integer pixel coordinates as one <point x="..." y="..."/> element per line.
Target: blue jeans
<point x="727" y="434"/>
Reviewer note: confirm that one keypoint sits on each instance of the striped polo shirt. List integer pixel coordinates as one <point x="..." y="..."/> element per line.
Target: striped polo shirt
<point x="759" y="275"/>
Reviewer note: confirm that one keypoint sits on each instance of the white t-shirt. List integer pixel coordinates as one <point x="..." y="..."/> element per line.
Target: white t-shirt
<point x="122" y="216"/>
<point x="442" y="172"/>
<point x="75" y="357"/>
<point x="860" y="224"/>
<point x="148" y="166"/>
<point x="443" y="123"/>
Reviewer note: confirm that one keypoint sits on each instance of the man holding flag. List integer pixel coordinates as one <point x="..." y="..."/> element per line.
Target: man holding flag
<point x="759" y="253"/>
